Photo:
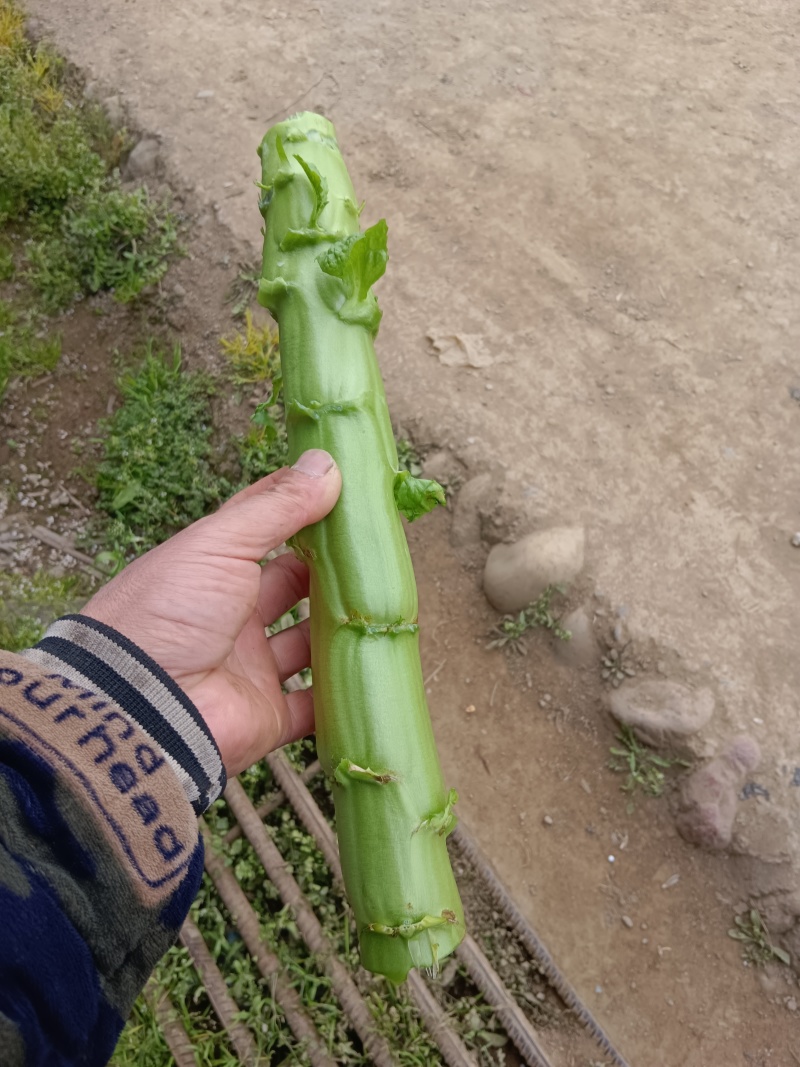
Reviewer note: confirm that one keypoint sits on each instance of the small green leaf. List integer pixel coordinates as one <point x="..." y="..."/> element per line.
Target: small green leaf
<point x="320" y="190"/>
<point x="490" y="1038"/>
<point x="782" y="955"/>
<point x="416" y="496"/>
<point x="359" y="260"/>
<point x="126" y="495"/>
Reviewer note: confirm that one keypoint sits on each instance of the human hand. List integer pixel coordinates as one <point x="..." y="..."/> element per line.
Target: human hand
<point x="199" y="603"/>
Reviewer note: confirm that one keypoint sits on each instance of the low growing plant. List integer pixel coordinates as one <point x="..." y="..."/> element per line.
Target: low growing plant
<point x="644" y="769"/>
<point x="509" y="633"/>
<point x="157" y="472"/>
<point x="757" y="947"/>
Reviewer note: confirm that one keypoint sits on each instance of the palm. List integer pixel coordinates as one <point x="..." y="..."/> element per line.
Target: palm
<point x="199" y="605"/>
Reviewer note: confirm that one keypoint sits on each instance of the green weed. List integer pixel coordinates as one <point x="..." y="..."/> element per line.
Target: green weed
<point x="157" y="473"/>
<point x="6" y="261"/>
<point x="645" y="770"/>
<point x="254" y="358"/>
<point x="253" y="354"/>
<point x="25" y="350"/>
<point x="57" y="151"/>
<point x="105" y="239"/>
<point x="408" y="458"/>
<point x="510" y="632"/>
<point x="45" y="158"/>
<point x="28" y="604"/>
<point x="757" y="948"/>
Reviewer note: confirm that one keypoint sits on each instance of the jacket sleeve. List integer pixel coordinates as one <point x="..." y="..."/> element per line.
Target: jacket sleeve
<point x="104" y="766"/>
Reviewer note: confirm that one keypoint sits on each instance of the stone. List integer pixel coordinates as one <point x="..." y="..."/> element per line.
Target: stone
<point x="478" y="495"/>
<point x="662" y="712"/>
<point x="115" y="111"/>
<point x="145" y="159"/>
<point x="442" y="466"/>
<point x="582" y="649"/>
<point x="515" y="575"/>
<point x="709" y="797"/>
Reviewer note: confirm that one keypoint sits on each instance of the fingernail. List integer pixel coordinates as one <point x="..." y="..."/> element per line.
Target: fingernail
<point x="315" y="463"/>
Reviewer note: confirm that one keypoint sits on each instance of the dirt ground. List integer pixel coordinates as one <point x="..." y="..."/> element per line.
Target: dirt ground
<point x="607" y="195"/>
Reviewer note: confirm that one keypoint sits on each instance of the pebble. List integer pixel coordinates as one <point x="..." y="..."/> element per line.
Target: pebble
<point x="145" y="159"/>
<point x="477" y="496"/>
<point x="115" y="110"/>
<point x="710" y="795"/>
<point x="548" y="820"/>
<point x="627" y="921"/>
<point x="515" y="575"/>
<point x="582" y="649"/>
<point x="205" y="94"/>
<point x="796" y="539"/>
<point x="791" y="1003"/>
<point x="662" y="712"/>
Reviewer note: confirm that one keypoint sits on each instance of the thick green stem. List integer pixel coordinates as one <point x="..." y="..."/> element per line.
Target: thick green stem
<point x="373" y="728"/>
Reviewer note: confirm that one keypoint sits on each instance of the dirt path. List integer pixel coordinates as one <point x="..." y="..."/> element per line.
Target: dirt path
<point x="607" y="194"/>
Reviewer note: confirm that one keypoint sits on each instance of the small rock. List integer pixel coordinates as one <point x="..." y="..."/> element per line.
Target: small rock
<point x="441" y="466"/>
<point x="179" y="290"/>
<point x="145" y="159"/>
<point x="515" y="575"/>
<point x="93" y="90"/>
<point x="478" y="495"/>
<point x="627" y="921"/>
<point x="115" y="111"/>
<point x="791" y="1003"/>
<point x="59" y="499"/>
<point x="205" y="94"/>
<point x="662" y="712"/>
<point x="548" y="820"/>
<point x="796" y="539"/>
<point x="709" y="796"/>
<point x="582" y="649"/>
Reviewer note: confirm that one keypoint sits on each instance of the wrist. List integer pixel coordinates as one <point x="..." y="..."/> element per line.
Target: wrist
<point x="95" y="656"/>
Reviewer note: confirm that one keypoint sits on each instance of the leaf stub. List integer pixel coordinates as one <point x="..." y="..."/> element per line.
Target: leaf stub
<point x="441" y="822"/>
<point x="408" y="929"/>
<point x="415" y="497"/>
<point x="366" y="628"/>
<point x="347" y="772"/>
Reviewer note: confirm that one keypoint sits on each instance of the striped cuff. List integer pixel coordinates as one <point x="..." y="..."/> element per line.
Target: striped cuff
<point x="98" y="658"/>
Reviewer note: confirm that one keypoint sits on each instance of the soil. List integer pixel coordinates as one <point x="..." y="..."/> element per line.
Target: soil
<point x="606" y="195"/>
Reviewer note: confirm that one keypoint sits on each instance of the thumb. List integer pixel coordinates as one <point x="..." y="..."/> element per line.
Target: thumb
<point x="261" y="517"/>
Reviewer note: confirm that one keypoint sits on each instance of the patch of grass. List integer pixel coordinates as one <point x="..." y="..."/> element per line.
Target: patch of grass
<point x="6" y="260"/>
<point x="84" y="232"/>
<point x="28" y="604"/>
<point x="25" y="349"/>
<point x="645" y="770"/>
<point x="509" y="634"/>
<point x="105" y="239"/>
<point x="157" y="473"/>
<point x="45" y="157"/>
<point x="253" y="354"/>
<point x="254" y="357"/>
<point x="757" y="947"/>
